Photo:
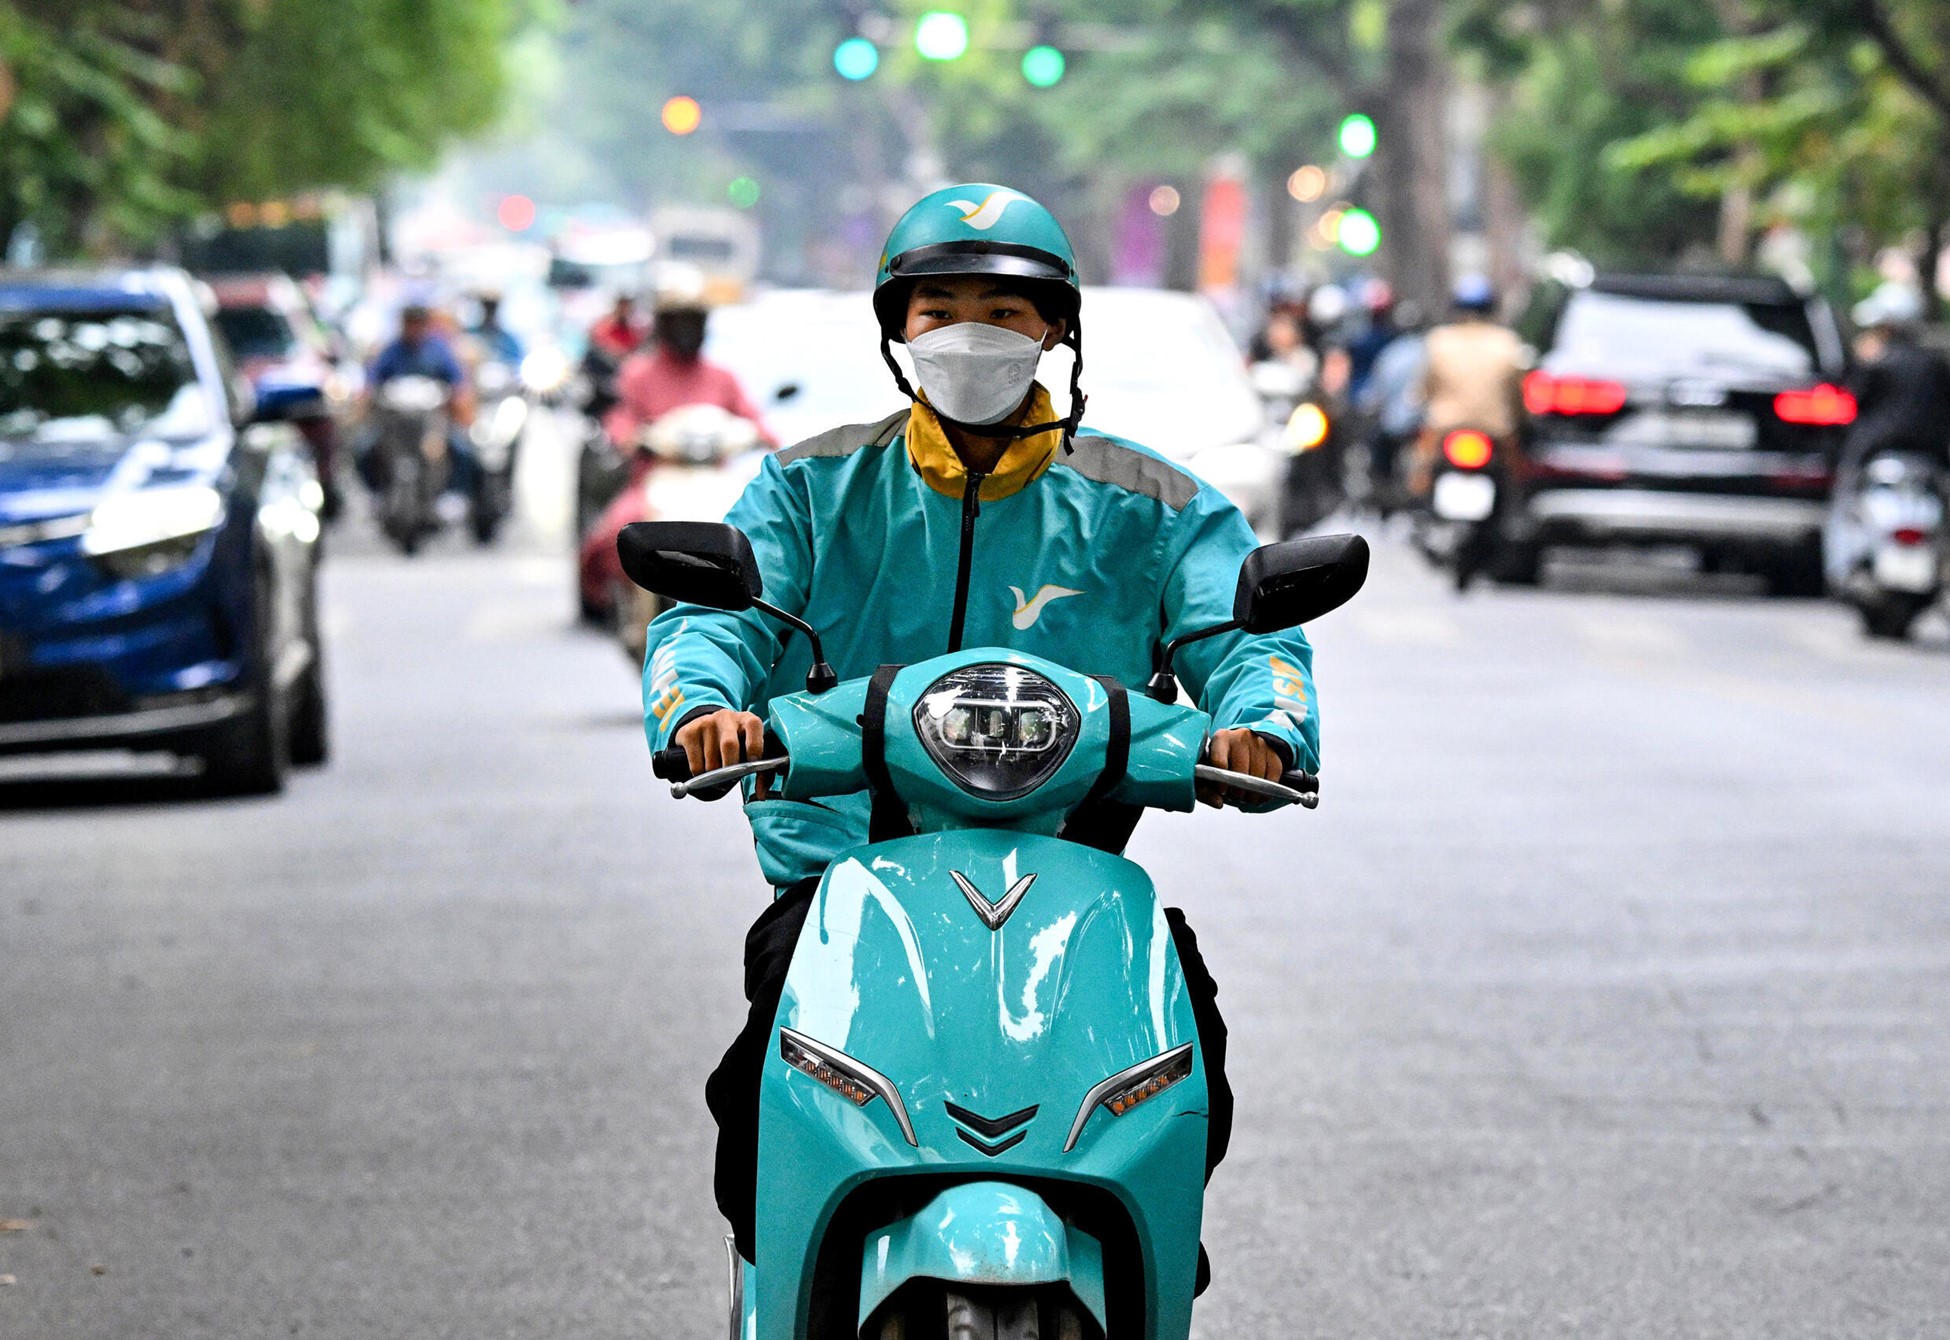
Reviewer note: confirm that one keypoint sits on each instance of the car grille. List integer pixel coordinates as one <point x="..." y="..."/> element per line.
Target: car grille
<point x="56" y="695"/>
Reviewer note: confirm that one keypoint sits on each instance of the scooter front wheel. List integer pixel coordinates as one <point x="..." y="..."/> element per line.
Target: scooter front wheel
<point x="959" y="1313"/>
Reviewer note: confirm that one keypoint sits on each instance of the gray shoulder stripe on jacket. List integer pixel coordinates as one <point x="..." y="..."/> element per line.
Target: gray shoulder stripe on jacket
<point x="844" y="441"/>
<point x="1112" y="463"/>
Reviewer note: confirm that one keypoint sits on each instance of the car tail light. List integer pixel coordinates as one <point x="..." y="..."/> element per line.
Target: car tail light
<point x="1908" y="535"/>
<point x="1825" y="406"/>
<point x="1468" y="449"/>
<point x="1545" y="394"/>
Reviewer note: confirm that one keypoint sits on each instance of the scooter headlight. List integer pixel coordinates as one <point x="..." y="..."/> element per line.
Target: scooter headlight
<point x="1000" y="731"/>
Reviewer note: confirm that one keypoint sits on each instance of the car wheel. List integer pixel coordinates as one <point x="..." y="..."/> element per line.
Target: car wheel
<point x="250" y="755"/>
<point x="1890" y="616"/>
<point x="311" y="740"/>
<point x="1797" y="573"/>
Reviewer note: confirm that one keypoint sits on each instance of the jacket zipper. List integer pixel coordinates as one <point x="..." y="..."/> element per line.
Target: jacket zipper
<point x="971" y="507"/>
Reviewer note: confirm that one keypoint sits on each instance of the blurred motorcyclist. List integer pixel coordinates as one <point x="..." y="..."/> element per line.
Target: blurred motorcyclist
<point x="1366" y="344"/>
<point x="1391" y="403"/>
<point x="1902" y="388"/>
<point x="672" y="372"/>
<point x="496" y="340"/>
<point x="420" y="351"/>
<point x="621" y="331"/>
<point x="1471" y="376"/>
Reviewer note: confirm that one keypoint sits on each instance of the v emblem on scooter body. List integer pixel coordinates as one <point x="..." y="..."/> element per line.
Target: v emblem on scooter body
<point x="992" y="914"/>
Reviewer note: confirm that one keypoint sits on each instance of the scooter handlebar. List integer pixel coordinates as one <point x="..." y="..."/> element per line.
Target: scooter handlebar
<point x="1295" y="787"/>
<point x="673" y="765"/>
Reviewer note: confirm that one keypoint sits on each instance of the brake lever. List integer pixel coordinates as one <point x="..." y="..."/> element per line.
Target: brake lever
<point x="1259" y="786"/>
<point x="736" y="772"/>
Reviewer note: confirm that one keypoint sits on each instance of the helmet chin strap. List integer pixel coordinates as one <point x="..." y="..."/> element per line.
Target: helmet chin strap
<point x="1068" y="423"/>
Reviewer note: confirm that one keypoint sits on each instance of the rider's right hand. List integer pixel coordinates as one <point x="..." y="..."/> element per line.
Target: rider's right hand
<point x="722" y="738"/>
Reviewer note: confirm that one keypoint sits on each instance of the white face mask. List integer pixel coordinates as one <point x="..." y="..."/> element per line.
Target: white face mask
<point x="973" y="371"/>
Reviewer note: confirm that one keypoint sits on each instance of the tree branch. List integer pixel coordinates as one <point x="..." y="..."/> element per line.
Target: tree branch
<point x="1925" y="83"/>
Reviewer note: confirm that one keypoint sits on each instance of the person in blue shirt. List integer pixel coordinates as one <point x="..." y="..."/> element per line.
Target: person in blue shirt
<point x="419" y="351"/>
<point x="496" y="340"/>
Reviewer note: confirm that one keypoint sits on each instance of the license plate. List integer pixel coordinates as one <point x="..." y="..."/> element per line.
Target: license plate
<point x="1905" y="568"/>
<point x="1464" y="497"/>
<point x="1705" y="429"/>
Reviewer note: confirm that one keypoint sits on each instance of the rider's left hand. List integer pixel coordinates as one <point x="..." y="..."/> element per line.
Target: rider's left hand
<point x="1241" y="750"/>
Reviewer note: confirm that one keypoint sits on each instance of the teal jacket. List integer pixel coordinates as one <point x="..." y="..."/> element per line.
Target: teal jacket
<point x="1090" y="558"/>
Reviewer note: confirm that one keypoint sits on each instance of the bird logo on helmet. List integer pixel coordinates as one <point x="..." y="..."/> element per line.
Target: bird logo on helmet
<point x="979" y="228"/>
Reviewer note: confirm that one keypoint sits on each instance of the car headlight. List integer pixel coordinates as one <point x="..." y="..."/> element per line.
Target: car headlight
<point x="1000" y="731"/>
<point x="149" y="531"/>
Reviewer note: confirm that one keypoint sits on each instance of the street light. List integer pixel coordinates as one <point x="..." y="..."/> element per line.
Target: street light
<point x="1359" y="234"/>
<point x="1357" y="136"/>
<point x="1307" y="184"/>
<point x="1043" y="65"/>
<point x="941" y="34"/>
<point x="682" y="115"/>
<point x="856" y="58"/>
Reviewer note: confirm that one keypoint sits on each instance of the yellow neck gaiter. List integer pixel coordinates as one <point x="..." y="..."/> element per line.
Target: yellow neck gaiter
<point x="1026" y="457"/>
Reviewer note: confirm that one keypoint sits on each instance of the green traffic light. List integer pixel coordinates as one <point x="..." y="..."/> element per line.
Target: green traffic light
<point x="1359" y="234"/>
<point x="941" y="34"/>
<point x="1357" y="136"/>
<point x="1043" y="66"/>
<point x="856" y="58"/>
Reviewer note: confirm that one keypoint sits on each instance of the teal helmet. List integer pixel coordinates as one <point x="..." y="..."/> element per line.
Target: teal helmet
<point x="975" y="229"/>
<point x="978" y="228"/>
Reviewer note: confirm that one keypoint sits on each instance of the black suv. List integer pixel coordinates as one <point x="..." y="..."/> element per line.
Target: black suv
<point x="1693" y="409"/>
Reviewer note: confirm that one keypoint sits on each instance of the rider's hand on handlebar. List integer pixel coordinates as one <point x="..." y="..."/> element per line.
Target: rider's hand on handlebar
<point x="1241" y="750"/>
<point x="723" y="738"/>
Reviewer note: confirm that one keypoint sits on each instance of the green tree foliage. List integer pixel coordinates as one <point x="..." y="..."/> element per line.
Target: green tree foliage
<point x="126" y="115"/>
<point x="1645" y="129"/>
<point x="1575" y="81"/>
<point x="1830" y="115"/>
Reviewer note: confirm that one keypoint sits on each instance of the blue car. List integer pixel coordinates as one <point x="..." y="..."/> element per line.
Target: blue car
<point x="158" y="535"/>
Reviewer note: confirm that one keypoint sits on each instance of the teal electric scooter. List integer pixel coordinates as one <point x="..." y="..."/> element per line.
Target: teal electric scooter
<point x="985" y="1114"/>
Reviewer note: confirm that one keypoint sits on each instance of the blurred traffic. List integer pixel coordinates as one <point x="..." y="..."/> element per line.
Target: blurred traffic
<point x="337" y="355"/>
<point x="1735" y="419"/>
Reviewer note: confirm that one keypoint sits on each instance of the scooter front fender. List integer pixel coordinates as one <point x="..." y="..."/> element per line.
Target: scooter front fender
<point x="988" y="1233"/>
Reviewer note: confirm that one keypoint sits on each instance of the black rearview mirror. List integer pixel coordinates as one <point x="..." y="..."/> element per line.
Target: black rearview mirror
<point x="709" y="563"/>
<point x="1280" y="586"/>
<point x="1296" y="581"/>
<point x="692" y="562"/>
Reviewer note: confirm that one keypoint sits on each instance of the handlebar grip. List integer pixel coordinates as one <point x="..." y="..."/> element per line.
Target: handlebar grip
<point x="1299" y="780"/>
<point x="671" y="765"/>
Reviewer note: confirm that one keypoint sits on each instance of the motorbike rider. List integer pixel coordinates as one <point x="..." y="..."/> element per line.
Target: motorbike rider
<point x="1471" y="377"/>
<point x="673" y="372"/>
<point x="1390" y="402"/>
<point x="496" y="341"/>
<point x="618" y="334"/>
<point x="1901" y="387"/>
<point x="420" y="351"/>
<point x="910" y="537"/>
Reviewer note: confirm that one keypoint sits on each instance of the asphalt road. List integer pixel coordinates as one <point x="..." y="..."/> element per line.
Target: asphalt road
<point x="1606" y="995"/>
